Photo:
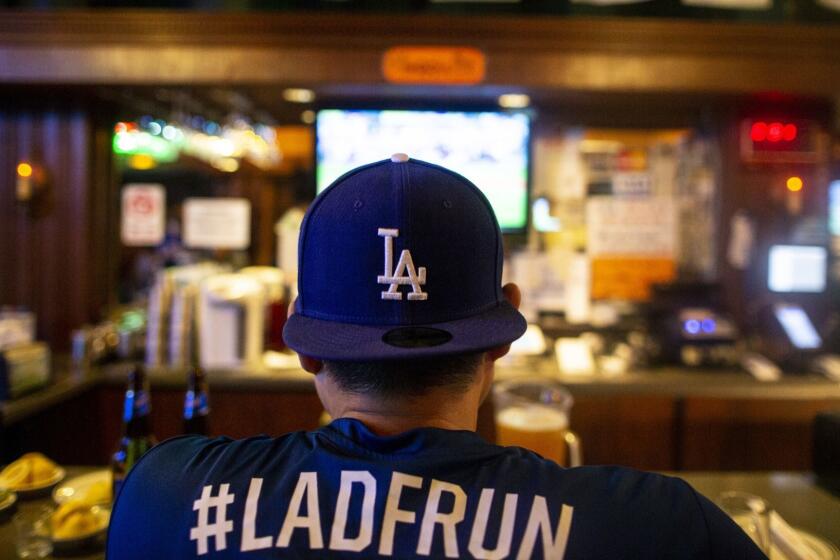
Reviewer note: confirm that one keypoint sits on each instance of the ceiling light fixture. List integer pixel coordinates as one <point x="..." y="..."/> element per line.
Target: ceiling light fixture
<point x="298" y="95"/>
<point x="514" y="101"/>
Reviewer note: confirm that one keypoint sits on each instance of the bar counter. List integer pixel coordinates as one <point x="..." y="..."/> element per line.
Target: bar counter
<point x="674" y="382"/>
<point x="664" y="419"/>
<point x="669" y="381"/>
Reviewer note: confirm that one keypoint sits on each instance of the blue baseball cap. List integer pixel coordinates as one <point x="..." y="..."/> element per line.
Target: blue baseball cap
<point x="400" y="259"/>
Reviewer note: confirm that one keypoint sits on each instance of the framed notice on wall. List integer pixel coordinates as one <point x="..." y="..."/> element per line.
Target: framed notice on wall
<point x="143" y="214"/>
<point x="217" y="223"/>
<point x="632" y="244"/>
<point x="631" y="226"/>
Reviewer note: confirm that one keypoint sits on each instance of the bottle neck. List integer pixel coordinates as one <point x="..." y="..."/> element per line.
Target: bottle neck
<point x="196" y="400"/>
<point x="196" y="403"/>
<point x="136" y="413"/>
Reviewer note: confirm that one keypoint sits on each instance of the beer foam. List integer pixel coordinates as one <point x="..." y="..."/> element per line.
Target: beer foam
<point x="533" y="418"/>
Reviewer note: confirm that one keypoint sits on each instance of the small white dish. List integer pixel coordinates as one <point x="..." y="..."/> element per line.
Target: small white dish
<point x="77" y="487"/>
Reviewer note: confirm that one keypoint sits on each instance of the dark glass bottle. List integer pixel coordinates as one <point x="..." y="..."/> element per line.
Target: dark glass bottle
<point x="137" y="437"/>
<point x="196" y="403"/>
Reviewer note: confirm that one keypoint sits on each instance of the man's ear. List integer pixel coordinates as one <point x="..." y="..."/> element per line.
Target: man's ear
<point x="495" y="353"/>
<point x="513" y="294"/>
<point x="312" y="365"/>
<point x="514" y="297"/>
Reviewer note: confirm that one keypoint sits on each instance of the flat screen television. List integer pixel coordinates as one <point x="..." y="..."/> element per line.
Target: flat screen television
<point x="488" y="148"/>
<point x="797" y="268"/>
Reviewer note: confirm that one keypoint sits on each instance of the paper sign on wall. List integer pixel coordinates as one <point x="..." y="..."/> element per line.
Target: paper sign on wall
<point x="217" y="223"/>
<point x="631" y="226"/>
<point x="629" y="278"/>
<point x="631" y="183"/>
<point x="632" y="242"/>
<point x="143" y="214"/>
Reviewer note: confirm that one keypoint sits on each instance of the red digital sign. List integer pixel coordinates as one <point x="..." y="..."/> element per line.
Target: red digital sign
<point x="773" y="132"/>
<point x="779" y="140"/>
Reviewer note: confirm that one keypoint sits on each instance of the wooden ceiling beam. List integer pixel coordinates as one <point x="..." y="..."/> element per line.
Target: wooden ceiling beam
<point x="254" y="48"/>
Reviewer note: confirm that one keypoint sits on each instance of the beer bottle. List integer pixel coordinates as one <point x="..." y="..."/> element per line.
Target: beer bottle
<point x="196" y="402"/>
<point x="137" y="437"/>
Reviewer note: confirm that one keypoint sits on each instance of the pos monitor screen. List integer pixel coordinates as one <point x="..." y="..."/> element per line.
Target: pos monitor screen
<point x="488" y="148"/>
<point x="834" y="208"/>
<point x="797" y="268"/>
<point x="797" y="326"/>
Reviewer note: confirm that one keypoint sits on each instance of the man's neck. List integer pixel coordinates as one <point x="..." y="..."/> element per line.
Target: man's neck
<point x="386" y="423"/>
<point x="383" y="416"/>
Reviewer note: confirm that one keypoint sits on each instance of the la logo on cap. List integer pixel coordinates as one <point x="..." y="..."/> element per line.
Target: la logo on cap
<point x="405" y="265"/>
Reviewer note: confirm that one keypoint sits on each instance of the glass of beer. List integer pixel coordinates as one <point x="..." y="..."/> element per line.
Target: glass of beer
<point x="534" y="414"/>
<point x="751" y="513"/>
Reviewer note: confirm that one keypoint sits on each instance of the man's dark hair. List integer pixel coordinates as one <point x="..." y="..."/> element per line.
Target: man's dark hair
<point x="405" y="378"/>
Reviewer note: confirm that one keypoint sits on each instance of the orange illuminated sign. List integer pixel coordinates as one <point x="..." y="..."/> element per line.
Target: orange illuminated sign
<point x="433" y="65"/>
<point x="629" y="278"/>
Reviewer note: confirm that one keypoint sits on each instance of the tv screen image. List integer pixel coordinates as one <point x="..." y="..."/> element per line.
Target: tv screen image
<point x="797" y="268"/>
<point x="798" y="326"/>
<point x="488" y="148"/>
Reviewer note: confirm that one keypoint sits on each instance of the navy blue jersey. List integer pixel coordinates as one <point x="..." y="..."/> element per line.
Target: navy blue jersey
<point x="343" y="491"/>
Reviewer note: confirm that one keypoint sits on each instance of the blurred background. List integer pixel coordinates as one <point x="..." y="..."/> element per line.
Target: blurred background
<point x="667" y="174"/>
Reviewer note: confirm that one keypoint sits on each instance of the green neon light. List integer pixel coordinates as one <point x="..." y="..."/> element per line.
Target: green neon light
<point x="143" y="143"/>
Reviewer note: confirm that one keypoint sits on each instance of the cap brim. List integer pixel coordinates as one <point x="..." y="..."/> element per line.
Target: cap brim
<point x="327" y="340"/>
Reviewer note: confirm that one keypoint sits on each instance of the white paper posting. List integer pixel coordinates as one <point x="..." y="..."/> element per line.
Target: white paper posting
<point x="631" y="183"/>
<point x="143" y="214"/>
<point x="742" y="234"/>
<point x="578" y="282"/>
<point x="631" y="226"/>
<point x="217" y="223"/>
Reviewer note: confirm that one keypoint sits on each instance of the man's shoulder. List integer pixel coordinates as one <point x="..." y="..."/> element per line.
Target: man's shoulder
<point x="611" y="479"/>
<point x="192" y="454"/>
<point x="195" y="455"/>
<point x="197" y="446"/>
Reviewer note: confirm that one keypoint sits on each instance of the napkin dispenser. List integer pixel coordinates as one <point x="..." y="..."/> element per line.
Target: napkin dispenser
<point x="231" y="321"/>
<point x="23" y="369"/>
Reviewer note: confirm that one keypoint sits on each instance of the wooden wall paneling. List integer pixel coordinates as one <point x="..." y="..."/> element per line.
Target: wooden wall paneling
<point x="66" y="266"/>
<point x="239" y="414"/>
<point x="633" y="431"/>
<point x="109" y="409"/>
<point x="47" y="263"/>
<point x="8" y="215"/>
<point x="15" y="143"/>
<point x="104" y="223"/>
<point x="749" y="434"/>
<point x="68" y="433"/>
